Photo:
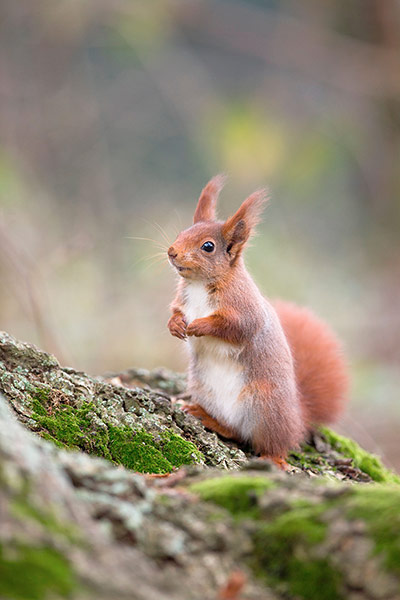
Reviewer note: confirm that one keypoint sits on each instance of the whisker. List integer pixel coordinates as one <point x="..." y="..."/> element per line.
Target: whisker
<point x="155" y="262"/>
<point x="156" y="242"/>
<point x="158" y="255"/>
<point x="163" y="233"/>
<point x="179" y="219"/>
<point x="160" y="229"/>
<point x="146" y="239"/>
<point x="152" y="256"/>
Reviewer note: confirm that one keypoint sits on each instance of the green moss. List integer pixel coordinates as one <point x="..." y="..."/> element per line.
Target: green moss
<point x="50" y="438"/>
<point x="28" y="573"/>
<point x="308" y="459"/>
<point x="177" y="450"/>
<point x="146" y="453"/>
<point x="379" y="507"/>
<point x="136" y="451"/>
<point x="365" y="461"/>
<point x="72" y="427"/>
<point x="283" y="554"/>
<point x="41" y="396"/>
<point x="76" y="428"/>
<point x="306" y="579"/>
<point x="236" y="494"/>
<point x="301" y="524"/>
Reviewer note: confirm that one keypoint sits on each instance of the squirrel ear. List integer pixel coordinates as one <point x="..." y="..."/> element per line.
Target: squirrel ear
<point x="238" y="228"/>
<point x="206" y="205"/>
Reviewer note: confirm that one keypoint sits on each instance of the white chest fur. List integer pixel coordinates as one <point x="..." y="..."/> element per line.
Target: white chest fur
<point x="197" y="304"/>
<point x="217" y="372"/>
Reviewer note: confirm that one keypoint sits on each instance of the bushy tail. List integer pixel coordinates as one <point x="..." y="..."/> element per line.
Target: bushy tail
<point x="321" y="370"/>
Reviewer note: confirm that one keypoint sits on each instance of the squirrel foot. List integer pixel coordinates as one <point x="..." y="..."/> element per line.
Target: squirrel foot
<point x="209" y="422"/>
<point x="279" y="461"/>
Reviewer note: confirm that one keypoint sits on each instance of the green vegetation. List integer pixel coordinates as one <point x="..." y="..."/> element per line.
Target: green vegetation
<point x="147" y="453"/>
<point x="283" y="553"/>
<point x="236" y="494"/>
<point x="365" y="461"/>
<point x="80" y="428"/>
<point x="379" y="506"/>
<point x="283" y="547"/>
<point x="306" y="579"/>
<point x="308" y="458"/>
<point x="29" y="573"/>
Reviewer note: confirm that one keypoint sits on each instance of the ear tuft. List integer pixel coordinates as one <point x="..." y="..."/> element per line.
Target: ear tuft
<point x="206" y="206"/>
<point x="240" y="226"/>
<point x="254" y="205"/>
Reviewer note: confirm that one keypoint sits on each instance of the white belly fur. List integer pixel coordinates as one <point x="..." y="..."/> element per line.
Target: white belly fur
<point x="217" y="368"/>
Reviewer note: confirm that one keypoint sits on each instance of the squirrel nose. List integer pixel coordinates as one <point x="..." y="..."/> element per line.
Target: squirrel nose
<point x="172" y="253"/>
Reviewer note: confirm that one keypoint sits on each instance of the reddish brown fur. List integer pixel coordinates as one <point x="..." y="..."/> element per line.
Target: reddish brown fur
<point x="239" y="228"/>
<point x="224" y="324"/>
<point x="206" y="205"/>
<point x="280" y="397"/>
<point x="321" y="370"/>
<point x="198" y="411"/>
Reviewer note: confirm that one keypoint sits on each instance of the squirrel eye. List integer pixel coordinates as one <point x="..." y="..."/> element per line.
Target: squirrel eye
<point x="208" y="246"/>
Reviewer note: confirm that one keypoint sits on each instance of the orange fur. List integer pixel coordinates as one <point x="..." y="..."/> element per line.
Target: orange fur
<point x="205" y="210"/>
<point x="198" y="411"/>
<point x="223" y="324"/>
<point x="279" y="461"/>
<point x="256" y="373"/>
<point x="321" y="371"/>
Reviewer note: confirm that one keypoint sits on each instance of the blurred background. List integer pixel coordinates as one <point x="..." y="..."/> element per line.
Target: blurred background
<point x="115" y="113"/>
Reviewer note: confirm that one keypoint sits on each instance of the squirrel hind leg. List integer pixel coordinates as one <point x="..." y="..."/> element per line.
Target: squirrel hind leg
<point x="208" y="421"/>
<point x="279" y="461"/>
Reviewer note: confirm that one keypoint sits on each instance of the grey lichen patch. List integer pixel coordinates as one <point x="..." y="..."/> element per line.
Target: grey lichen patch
<point x="22" y="507"/>
<point x="159" y="379"/>
<point x="74" y="410"/>
<point x="18" y="355"/>
<point x="40" y="497"/>
<point x="26" y="373"/>
<point x="289" y="536"/>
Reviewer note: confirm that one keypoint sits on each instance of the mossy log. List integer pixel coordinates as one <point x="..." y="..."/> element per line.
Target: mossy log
<point x="81" y="517"/>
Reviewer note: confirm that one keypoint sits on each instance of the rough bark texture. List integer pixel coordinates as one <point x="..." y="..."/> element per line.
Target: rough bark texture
<point x="77" y="520"/>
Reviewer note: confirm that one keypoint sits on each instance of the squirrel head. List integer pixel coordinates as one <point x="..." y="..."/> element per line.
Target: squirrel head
<point x="210" y="248"/>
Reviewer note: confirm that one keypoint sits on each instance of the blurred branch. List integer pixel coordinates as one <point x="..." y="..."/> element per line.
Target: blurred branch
<point x="352" y="65"/>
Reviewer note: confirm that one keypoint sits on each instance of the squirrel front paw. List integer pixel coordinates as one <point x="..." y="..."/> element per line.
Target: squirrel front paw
<point x="198" y="328"/>
<point x="177" y="326"/>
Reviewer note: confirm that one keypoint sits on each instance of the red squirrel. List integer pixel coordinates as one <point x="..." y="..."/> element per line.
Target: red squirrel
<point x="259" y="372"/>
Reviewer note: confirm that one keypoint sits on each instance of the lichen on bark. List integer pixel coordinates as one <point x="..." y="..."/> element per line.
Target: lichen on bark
<point x="77" y="427"/>
<point x="77" y="411"/>
<point x="307" y="537"/>
<point x="77" y="513"/>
